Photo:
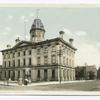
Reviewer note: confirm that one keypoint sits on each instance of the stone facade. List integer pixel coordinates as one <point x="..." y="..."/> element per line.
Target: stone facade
<point x="39" y="59"/>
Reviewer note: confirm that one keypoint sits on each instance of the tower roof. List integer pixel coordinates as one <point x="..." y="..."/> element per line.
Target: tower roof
<point x="37" y="24"/>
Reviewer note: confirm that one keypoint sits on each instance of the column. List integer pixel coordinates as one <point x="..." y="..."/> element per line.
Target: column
<point x="7" y="74"/>
<point x="66" y="74"/>
<point x="74" y="74"/>
<point x="21" y="73"/>
<point x="42" y="74"/>
<point x="49" y="74"/>
<point x="34" y="75"/>
<point x="3" y="75"/>
<point x="16" y="75"/>
<point x="69" y="74"/>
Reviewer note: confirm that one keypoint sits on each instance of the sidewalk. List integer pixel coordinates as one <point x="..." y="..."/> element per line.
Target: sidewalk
<point x="56" y="82"/>
<point x="13" y="83"/>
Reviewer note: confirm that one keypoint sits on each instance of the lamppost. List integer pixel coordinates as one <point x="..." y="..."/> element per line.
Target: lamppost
<point x="59" y="67"/>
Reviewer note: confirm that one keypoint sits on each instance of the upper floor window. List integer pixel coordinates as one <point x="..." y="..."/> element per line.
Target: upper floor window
<point x="4" y="56"/>
<point x="18" y="62"/>
<point x="13" y="55"/>
<point x="38" y="51"/>
<point x="8" y="55"/>
<point x="30" y="62"/>
<point x="64" y="60"/>
<point x="45" y="59"/>
<point x="14" y="63"/>
<point x="38" y="61"/>
<point x="30" y="52"/>
<point x="53" y="59"/>
<point x="18" y="54"/>
<point x="24" y="61"/>
<point x="9" y="63"/>
<point x="5" y="63"/>
<point x="53" y="48"/>
<point x="67" y="61"/>
<point x="24" y="53"/>
<point x="45" y="50"/>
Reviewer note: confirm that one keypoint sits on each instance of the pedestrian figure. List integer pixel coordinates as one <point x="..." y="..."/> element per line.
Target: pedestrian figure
<point x="20" y="81"/>
<point x="26" y="81"/>
<point x="8" y="81"/>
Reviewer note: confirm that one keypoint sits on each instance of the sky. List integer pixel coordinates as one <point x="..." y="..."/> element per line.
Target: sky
<point x="82" y="24"/>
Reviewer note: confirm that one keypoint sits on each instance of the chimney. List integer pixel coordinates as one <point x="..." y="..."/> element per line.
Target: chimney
<point x="61" y="34"/>
<point x="8" y="46"/>
<point x="17" y="40"/>
<point x="71" y="41"/>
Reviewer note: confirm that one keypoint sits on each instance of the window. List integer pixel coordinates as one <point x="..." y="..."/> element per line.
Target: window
<point x="45" y="50"/>
<point x="38" y="51"/>
<point x="29" y="61"/>
<point x="13" y="55"/>
<point x="18" y="74"/>
<point x="53" y="73"/>
<point x="38" y="75"/>
<point x="45" y="74"/>
<point x="13" y="62"/>
<point x="29" y="73"/>
<point x="9" y="64"/>
<point x="24" y="53"/>
<point x="67" y="61"/>
<point x="18" y="62"/>
<point x="29" y="52"/>
<point x="5" y="63"/>
<point x="72" y="63"/>
<point x="18" y="54"/>
<point x="53" y="59"/>
<point x="53" y="48"/>
<point x="38" y="61"/>
<point x="8" y="55"/>
<point x="45" y="59"/>
<point x="24" y="61"/>
<point x="64" y="60"/>
<point x="4" y="56"/>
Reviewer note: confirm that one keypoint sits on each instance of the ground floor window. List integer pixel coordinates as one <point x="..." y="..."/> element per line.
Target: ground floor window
<point x="53" y="73"/>
<point x="18" y="74"/>
<point x="45" y="74"/>
<point x="38" y="75"/>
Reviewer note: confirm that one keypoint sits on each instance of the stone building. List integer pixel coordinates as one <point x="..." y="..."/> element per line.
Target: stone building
<point x="86" y="72"/>
<point x="39" y="59"/>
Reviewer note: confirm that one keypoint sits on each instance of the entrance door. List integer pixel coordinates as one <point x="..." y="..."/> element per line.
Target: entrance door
<point x="45" y="74"/>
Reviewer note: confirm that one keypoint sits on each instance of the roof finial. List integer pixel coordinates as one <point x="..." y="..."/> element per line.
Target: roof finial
<point x="37" y="13"/>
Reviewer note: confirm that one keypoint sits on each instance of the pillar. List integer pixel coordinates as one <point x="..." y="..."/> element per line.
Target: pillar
<point x="7" y="74"/>
<point x="49" y="74"/>
<point x="42" y="74"/>
<point x="3" y="75"/>
<point x="34" y="75"/>
<point x="21" y="73"/>
<point x="16" y="75"/>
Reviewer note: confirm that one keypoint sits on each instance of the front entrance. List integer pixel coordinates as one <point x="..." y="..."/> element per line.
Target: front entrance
<point x="45" y="74"/>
